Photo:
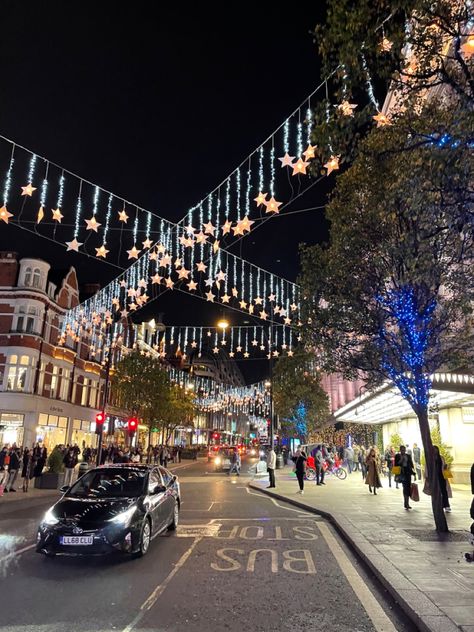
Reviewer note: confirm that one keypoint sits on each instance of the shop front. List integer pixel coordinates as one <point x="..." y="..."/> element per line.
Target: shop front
<point x="11" y="428"/>
<point x="83" y="434"/>
<point x="51" y="430"/>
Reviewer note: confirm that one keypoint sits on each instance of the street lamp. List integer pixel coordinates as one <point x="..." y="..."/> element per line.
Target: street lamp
<point x="223" y="324"/>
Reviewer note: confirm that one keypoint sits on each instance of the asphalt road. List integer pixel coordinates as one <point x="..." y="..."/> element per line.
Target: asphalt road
<point x="239" y="561"/>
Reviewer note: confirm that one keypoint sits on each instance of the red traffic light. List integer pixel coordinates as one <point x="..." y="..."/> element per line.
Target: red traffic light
<point x="216" y="436"/>
<point x="99" y="419"/>
<point x="132" y="424"/>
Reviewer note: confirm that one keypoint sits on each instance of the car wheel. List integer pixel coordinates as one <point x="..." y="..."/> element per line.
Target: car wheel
<point x="175" y="520"/>
<point x="145" y="538"/>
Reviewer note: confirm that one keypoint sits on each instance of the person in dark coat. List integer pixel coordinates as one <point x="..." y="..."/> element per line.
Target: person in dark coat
<point x="40" y="454"/>
<point x="372" y="463"/>
<point x="300" y="469"/>
<point x="13" y="468"/>
<point x="27" y="469"/>
<point x="405" y="462"/>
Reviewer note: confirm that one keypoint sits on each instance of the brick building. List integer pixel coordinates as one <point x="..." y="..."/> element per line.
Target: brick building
<point x="48" y="393"/>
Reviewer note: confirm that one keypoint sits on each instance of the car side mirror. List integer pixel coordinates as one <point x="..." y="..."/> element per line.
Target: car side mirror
<point x="64" y="489"/>
<point x="174" y="478"/>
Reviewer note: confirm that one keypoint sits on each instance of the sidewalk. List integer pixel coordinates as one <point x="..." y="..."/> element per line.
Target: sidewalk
<point x="426" y="575"/>
<point x="34" y="493"/>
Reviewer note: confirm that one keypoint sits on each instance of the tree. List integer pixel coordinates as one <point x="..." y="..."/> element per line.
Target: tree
<point x="391" y="296"/>
<point x="298" y="396"/>
<point x="143" y="388"/>
<point x="180" y="410"/>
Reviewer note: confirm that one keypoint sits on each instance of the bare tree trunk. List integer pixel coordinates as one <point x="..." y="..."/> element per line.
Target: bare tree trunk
<point x="148" y="451"/>
<point x="436" y="498"/>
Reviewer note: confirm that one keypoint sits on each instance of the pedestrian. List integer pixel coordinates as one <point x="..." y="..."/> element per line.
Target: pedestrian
<point x="349" y="457"/>
<point x="372" y="463"/>
<point x="417" y="460"/>
<point x="445" y="487"/>
<point x="319" y="465"/>
<point x="389" y="457"/>
<point x="300" y="469"/>
<point x="70" y="462"/>
<point x="27" y="470"/>
<point x="356" y="449"/>
<point x="271" y="463"/>
<point x="40" y="454"/>
<point x="407" y="470"/>
<point x="4" y="463"/>
<point x="234" y="463"/>
<point x="13" y="467"/>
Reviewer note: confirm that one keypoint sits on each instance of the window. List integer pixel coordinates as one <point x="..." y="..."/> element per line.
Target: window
<point x="17" y="372"/>
<point x="166" y="476"/>
<point x="27" y="279"/>
<point x="36" y="277"/>
<point x="27" y="319"/>
<point x="66" y="373"/>
<point x="85" y="392"/>
<point x="153" y="481"/>
<point x="54" y="382"/>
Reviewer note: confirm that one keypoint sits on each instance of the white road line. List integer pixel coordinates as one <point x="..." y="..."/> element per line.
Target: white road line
<point x="260" y="495"/>
<point x="155" y="595"/>
<point x="380" y="620"/>
<point x="17" y="552"/>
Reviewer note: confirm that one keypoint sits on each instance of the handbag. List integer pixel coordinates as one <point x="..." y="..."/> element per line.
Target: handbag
<point x="414" y="494"/>
<point x="447" y="474"/>
<point x="396" y="470"/>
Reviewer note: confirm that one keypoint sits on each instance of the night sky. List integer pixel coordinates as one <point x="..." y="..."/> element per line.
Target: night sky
<point x="159" y="110"/>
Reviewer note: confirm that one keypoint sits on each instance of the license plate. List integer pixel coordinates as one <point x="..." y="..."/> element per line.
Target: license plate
<point x="77" y="540"/>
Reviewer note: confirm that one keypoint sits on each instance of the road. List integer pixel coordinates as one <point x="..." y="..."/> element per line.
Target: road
<point x="239" y="561"/>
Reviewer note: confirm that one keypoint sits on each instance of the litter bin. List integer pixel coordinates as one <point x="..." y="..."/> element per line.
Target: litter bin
<point x="279" y="461"/>
<point x="83" y="467"/>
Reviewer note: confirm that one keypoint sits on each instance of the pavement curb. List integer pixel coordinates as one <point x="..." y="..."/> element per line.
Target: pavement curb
<point x="423" y="612"/>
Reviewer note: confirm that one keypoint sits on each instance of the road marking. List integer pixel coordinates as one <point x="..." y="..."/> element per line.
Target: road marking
<point x="294" y="561"/>
<point x="155" y="595"/>
<point x="260" y="495"/>
<point x="17" y="552"/>
<point x="378" y="617"/>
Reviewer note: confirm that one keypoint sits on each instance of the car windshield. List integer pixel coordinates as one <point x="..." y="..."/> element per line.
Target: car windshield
<point x="110" y="483"/>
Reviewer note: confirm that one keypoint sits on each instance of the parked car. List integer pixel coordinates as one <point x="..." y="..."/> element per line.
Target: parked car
<point x="119" y="507"/>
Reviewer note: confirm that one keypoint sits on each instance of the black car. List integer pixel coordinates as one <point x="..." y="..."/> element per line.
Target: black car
<point x="111" y="508"/>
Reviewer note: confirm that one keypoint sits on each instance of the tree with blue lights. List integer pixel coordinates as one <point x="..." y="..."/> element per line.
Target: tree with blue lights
<point x="391" y="296"/>
<point x="299" y="400"/>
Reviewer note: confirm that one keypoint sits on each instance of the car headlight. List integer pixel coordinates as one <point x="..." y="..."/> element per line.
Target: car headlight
<point x="49" y="518"/>
<point x="217" y="460"/>
<point x="123" y="519"/>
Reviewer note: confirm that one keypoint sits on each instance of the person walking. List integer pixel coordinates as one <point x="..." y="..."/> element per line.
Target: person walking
<point x="13" y="467"/>
<point x="417" y="460"/>
<point x="440" y="467"/>
<point x="349" y="457"/>
<point x="300" y="469"/>
<point x="27" y="469"/>
<point x="389" y="457"/>
<point x="372" y="463"/>
<point x="356" y="449"/>
<point x="234" y="462"/>
<point x="407" y="470"/>
<point x="70" y="462"/>
<point x="271" y="463"/>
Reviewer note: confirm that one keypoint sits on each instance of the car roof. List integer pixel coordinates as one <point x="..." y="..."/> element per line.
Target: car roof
<point x="127" y="466"/>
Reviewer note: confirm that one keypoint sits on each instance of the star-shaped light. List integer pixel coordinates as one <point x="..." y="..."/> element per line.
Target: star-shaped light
<point x="258" y="300"/>
<point x="247" y="224"/>
<point x="243" y="304"/>
<point x="238" y="229"/>
<point x="310" y="151"/>
<point x="215" y="245"/>
<point x="386" y="45"/>
<point x="153" y="256"/>
<point x="467" y="48"/>
<point x="201" y="238"/>
<point x="210" y="296"/>
<point x="263" y="315"/>
<point x="246" y="354"/>
<point x="28" y="190"/>
<point x="132" y="306"/>
<point x="346" y="108"/>
<point x="275" y="354"/>
<point x="273" y="206"/>
<point x="271" y="297"/>
<point x="101" y="252"/>
<point x="142" y="283"/>
<point x="209" y="282"/>
<point x="287" y="320"/>
<point x="183" y="273"/>
<point x="226" y="226"/>
<point x="221" y="275"/>
<point x="123" y="313"/>
<point x="169" y="283"/>
<point x="92" y="224"/>
<point x="133" y="253"/>
<point x="381" y="119"/>
<point x="161" y="249"/>
<point x="183" y="240"/>
<point x="147" y="243"/>
<point x="332" y="164"/>
<point x="73" y="245"/>
<point x="235" y="292"/>
<point x="131" y="292"/>
<point x="254" y="343"/>
<point x="192" y="286"/>
<point x="209" y="228"/>
<point x="223" y="342"/>
<point x="156" y="278"/>
<point x="261" y="198"/>
<point x="251" y="308"/>
<point x="300" y="166"/>
<point x="116" y="301"/>
<point x="5" y="215"/>
<point x="178" y="263"/>
<point x="287" y="160"/>
<point x="164" y="261"/>
<point x="225" y="298"/>
<point x="293" y="307"/>
<point x="215" y="350"/>
<point x="123" y="283"/>
<point x="290" y="353"/>
<point x="57" y="215"/>
<point x="194" y="344"/>
<point x="201" y="266"/>
<point x="40" y="214"/>
<point x="190" y="229"/>
<point x="231" y="354"/>
<point x="123" y="217"/>
<point x="238" y="349"/>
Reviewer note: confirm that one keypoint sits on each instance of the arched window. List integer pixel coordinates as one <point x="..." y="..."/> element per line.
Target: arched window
<point x="27" y="279"/>
<point x="36" y="278"/>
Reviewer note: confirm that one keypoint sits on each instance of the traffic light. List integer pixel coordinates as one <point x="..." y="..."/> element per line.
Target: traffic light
<point x="99" y="422"/>
<point x="132" y="424"/>
<point x="216" y="435"/>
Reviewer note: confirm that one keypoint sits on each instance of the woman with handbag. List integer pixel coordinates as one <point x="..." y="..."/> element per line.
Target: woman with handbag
<point x="441" y="470"/>
<point x="372" y="463"/>
<point x="407" y="470"/>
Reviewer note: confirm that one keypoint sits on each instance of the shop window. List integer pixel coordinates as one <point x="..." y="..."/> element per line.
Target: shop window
<point x="17" y="373"/>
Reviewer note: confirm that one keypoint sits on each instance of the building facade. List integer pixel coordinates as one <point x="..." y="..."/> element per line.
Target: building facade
<point x="48" y="393"/>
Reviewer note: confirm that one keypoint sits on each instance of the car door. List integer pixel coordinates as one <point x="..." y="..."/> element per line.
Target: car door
<point x="169" y="495"/>
<point x="155" y="499"/>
